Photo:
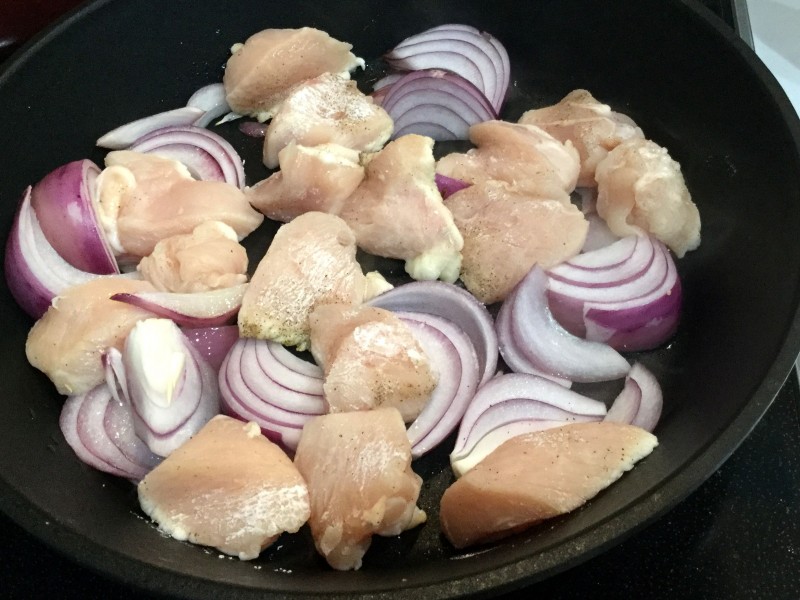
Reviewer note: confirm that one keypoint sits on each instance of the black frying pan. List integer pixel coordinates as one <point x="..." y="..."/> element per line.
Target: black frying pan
<point x="691" y="85"/>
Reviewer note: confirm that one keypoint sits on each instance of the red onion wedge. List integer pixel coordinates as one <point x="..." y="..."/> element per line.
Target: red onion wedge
<point x="627" y="294"/>
<point x="212" y="101"/>
<point x="452" y="354"/>
<point x="206" y="154"/>
<point x="253" y="129"/>
<point x="546" y="345"/>
<point x="264" y="382"/>
<point x="448" y="186"/>
<point x="461" y="49"/>
<point x="172" y="389"/>
<point x="199" y="309"/>
<point x="212" y="343"/>
<point x="99" y="430"/>
<point x="513" y="404"/>
<point x="35" y="272"/>
<point x="435" y="103"/>
<point x="65" y="206"/>
<point x="640" y="402"/>
<point x="454" y="304"/>
<point x="125" y="135"/>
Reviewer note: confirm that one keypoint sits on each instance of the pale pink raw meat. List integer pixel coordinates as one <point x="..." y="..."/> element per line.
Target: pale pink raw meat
<point x="358" y="469"/>
<point x="317" y="178"/>
<point x="145" y="198"/>
<point x="506" y="231"/>
<point x="640" y="187"/>
<point x="591" y="126"/>
<point x="327" y="109"/>
<point x="370" y="359"/>
<point x="68" y="342"/>
<point x="524" y="156"/>
<point x="537" y="476"/>
<point x="261" y="72"/>
<point x="208" y="258"/>
<point x="311" y="261"/>
<point x="228" y="487"/>
<point x="397" y="211"/>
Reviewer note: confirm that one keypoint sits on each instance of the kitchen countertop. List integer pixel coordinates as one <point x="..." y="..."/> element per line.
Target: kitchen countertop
<point x="736" y="537"/>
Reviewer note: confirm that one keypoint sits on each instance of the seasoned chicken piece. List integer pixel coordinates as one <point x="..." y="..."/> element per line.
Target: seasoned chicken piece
<point x="639" y="186"/>
<point x="592" y="127"/>
<point x="358" y="469"/>
<point x="525" y="156"/>
<point x="143" y="199"/>
<point x="68" y="342"/>
<point x="311" y="261"/>
<point x="327" y="109"/>
<point x="397" y="211"/>
<point x="539" y="475"/>
<point x="311" y="178"/>
<point x="209" y="258"/>
<point x="506" y="231"/>
<point x="261" y="72"/>
<point x="228" y="487"/>
<point x="370" y="359"/>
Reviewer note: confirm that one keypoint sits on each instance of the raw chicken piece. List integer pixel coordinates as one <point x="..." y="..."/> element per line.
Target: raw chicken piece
<point x="311" y="261"/>
<point x="143" y="198"/>
<point x="592" y="127"/>
<point x="261" y="72"/>
<point x="327" y="109"/>
<point x="209" y="258"/>
<point x="370" y="359"/>
<point x="539" y="475"/>
<point x="506" y="231"/>
<point x="311" y="178"/>
<point x="358" y="469"/>
<point x="68" y="342"/>
<point x="640" y="186"/>
<point x="397" y="211"/>
<point x="228" y="487"/>
<point x="523" y="155"/>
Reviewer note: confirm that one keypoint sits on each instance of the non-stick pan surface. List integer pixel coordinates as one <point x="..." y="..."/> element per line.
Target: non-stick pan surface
<point x="687" y="81"/>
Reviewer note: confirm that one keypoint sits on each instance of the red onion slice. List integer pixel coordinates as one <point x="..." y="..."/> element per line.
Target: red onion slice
<point x="448" y="186"/>
<point x="262" y="381"/>
<point x="516" y="403"/>
<point x="452" y="354"/>
<point x="629" y="301"/>
<point x="454" y="304"/>
<point x="99" y="430"/>
<point x="547" y="346"/>
<point x="436" y="103"/>
<point x="212" y="101"/>
<point x="515" y="358"/>
<point x="35" y="272"/>
<point x="212" y="343"/>
<point x="461" y="49"/>
<point x="218" y="148"/>
<point x="172" y="390"/>
<point x="65" y="206"/>
<point x="198" y="309"/>
<point x="125" y="135"/>
<point x="253" y="129"/>
<point x="68" y="422"/>
<point x="640" y="402"/>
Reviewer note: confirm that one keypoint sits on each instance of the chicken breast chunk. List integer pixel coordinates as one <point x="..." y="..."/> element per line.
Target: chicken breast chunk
<point x="261" y="72"/>
<point x="640" y="187"/>
<point x="537" y="476"/>
<point x="327" y="109"/>
<point x="591" y="126"/>
<point x="370" y="359"/>
<point x="228" y="487"/>
<point x="358" y="469"/>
